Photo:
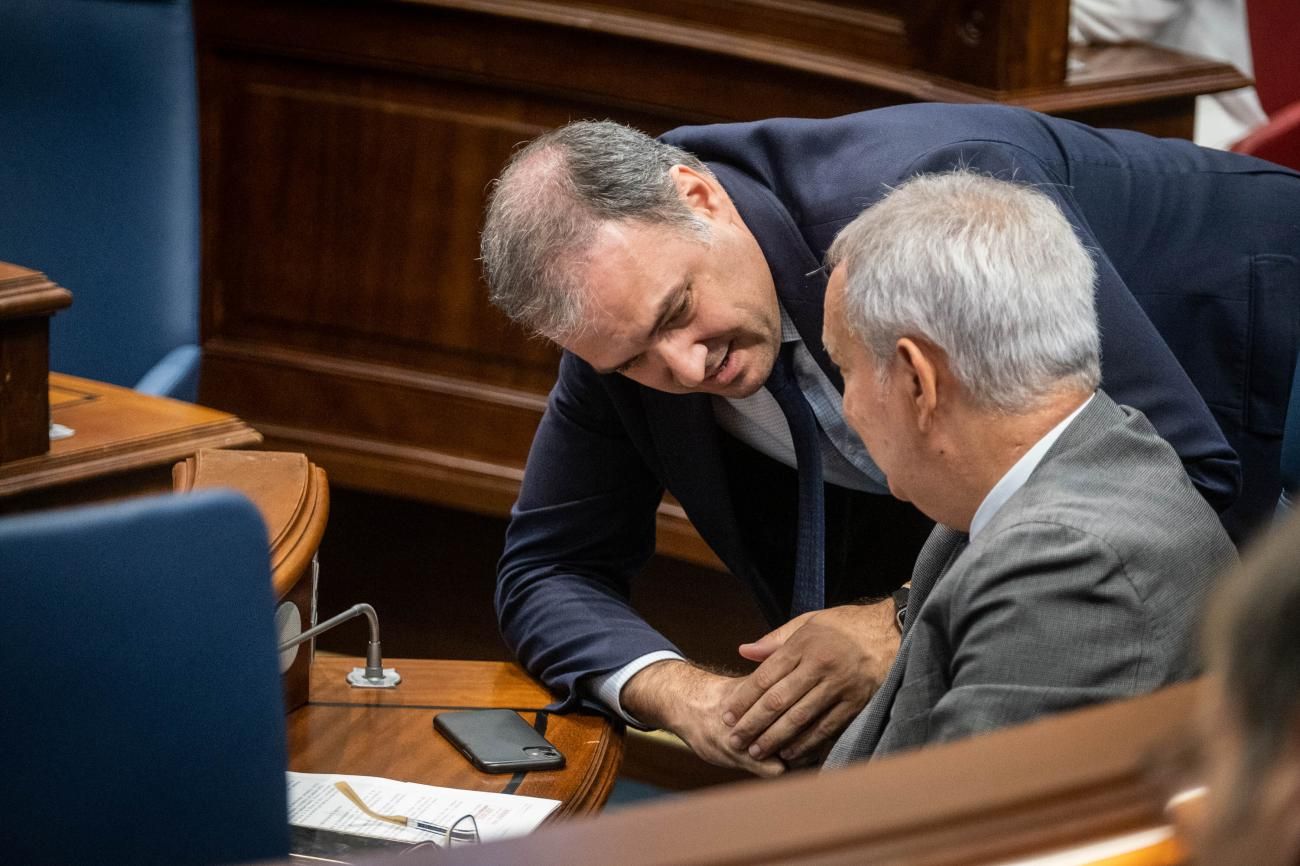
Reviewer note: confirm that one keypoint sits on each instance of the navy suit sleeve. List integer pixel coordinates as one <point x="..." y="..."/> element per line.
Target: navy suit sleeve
<point x="1138" y="368"/>
<point x="583" y="526"/>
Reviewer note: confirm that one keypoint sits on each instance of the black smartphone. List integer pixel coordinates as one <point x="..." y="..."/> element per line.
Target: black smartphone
<point x="498" y="741"/>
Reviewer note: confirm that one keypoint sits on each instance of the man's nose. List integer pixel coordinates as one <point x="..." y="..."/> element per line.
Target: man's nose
<point x="684" y="358"/>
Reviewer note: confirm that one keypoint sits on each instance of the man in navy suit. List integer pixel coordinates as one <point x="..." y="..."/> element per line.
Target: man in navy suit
<point x="675" y="272"/>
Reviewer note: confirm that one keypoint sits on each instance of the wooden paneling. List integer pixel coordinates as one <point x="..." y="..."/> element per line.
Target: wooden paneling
<point x="382" y="403"/>
<point x="347" y="147"/>
<point x="24" y="388"/>
<point x="1002" y="45"/>
<point x="1056" y="783"/>
<point x="343" y="194"/>
<point x="874" y="31"/>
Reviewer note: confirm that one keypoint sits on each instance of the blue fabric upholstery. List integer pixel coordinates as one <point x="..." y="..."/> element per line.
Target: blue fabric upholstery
<point x="176" y="375"/>
<point x="99" y="176"/>
<point x="143" y="714"/>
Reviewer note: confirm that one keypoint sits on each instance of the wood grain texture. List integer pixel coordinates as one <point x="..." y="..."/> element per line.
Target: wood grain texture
<point x="27" y="300"/>
<point x="1060" y="782"/>
<point x="24" y="387"/>
<point x="24" y="293"/>
<point x="390" y="733"/>
<point x="121" y="436"/>
<point x="292" y="496"/>
<point x="291" y="493"/>
<point x="1000" y="45"/>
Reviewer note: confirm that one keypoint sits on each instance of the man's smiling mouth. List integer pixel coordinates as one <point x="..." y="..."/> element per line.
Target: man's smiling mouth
<point x="721" y="365"/>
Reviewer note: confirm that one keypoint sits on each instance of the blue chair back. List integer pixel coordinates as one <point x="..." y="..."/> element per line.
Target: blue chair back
<point x="143" y="715"/>
<point x="99" y="180"/>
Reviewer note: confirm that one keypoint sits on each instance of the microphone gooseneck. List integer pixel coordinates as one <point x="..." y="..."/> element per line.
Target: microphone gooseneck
<point x="374" y="675"/>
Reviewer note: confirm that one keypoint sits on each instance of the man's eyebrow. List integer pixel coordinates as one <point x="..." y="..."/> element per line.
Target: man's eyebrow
<point x="667" y="307"/>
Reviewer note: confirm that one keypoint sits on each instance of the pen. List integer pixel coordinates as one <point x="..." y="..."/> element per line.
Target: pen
<point x="470" y="835"/>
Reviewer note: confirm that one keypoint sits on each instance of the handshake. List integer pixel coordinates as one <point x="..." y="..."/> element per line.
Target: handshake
<point x="815" y="675"/>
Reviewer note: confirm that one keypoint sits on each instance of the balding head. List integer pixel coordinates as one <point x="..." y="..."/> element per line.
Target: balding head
<point x="545" y="208"/>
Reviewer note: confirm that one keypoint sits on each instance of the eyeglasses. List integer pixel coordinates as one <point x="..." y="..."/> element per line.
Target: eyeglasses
<point x="452" y="833"/>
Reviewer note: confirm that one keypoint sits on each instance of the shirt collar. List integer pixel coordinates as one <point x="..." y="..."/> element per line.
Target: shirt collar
<point x="1019" y="473"/>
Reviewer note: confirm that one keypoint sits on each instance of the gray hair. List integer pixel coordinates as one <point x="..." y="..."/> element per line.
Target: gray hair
<point x="989" y="271"/>
<point x="1252" y="639"/>
<point x="545" y="208"/>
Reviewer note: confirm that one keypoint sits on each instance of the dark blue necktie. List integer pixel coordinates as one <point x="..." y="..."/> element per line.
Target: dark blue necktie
<point x="810" y="549"/>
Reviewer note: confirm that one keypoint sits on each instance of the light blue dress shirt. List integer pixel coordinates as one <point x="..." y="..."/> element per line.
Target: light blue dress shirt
<point x="757" y="421"/>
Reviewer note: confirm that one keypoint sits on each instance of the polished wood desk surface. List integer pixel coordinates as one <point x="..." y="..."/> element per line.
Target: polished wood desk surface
<point x="389" y="732"/>
<point x="124" y="443"/>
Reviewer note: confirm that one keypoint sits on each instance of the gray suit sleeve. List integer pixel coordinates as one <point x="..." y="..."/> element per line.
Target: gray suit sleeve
<point x="1043" y="618"/>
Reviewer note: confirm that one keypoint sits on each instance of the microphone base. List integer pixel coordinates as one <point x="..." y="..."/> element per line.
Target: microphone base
<point x="358" y="680"/>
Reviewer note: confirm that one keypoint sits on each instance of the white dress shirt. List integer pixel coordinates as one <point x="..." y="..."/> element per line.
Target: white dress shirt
<point x="1019" y="473"/>
<point x="757" y="421"/>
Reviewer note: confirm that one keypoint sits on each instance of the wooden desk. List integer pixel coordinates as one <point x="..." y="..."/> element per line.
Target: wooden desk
<point x="124" y="444"/>
<point x="27" y="300"/>
<point x="1056" y="784"/>
<point x="378" y="732"/>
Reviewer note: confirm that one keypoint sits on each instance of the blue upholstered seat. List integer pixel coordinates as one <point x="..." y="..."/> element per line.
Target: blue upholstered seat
<point x="143" y="718"/>
<point x="99" y="181"/>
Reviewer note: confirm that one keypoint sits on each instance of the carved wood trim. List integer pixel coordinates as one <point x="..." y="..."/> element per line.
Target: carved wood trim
<point x="119" y="431"/>
<point x="263" y="354"/>
<point x="164" y="449"/>
<point x="291" y="494"/>
<point x="1058" y="782"/>
<point x="293" y="498"/>
<point x="446" y="479"/>
<point x="25" y="292"/>
<point x="1129" y="75"/>
<point x="881" y="69"/>
<point x="415" y="471"/>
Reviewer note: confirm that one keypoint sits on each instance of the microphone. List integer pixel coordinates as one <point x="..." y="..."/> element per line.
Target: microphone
<point x="374" y="675"/>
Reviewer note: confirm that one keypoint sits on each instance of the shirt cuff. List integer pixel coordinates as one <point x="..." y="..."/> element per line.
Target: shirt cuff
<point x="606" y="688"/>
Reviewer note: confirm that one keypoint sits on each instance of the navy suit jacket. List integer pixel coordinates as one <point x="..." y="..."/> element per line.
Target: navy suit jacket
<point x="1194" y="246"/>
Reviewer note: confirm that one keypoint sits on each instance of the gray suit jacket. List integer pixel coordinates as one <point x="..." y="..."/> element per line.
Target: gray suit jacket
<point x="1084" y="587"/>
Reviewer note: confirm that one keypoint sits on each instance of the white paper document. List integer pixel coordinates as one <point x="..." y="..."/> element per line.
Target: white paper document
<point x="315" y="802"/>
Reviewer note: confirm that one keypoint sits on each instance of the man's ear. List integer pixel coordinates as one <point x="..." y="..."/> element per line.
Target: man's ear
<point x="700" y="191"/>
<point x="917" y="366"/>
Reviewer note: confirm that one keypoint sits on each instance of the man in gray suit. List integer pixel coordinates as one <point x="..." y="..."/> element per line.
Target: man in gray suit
<point x="1072" y="553"/>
